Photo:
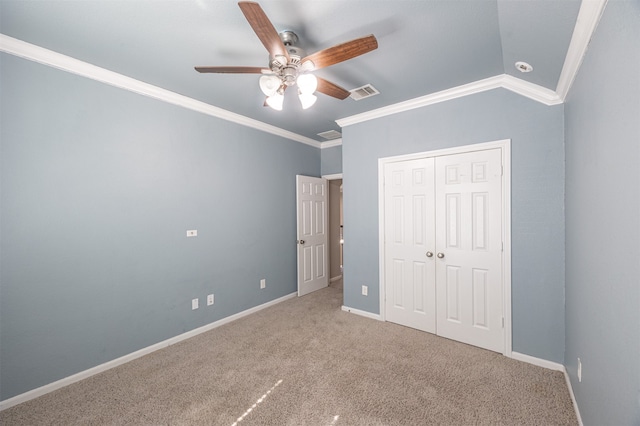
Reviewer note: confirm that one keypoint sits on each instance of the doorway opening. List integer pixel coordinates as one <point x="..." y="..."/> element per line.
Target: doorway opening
<point x="336" y="228"/>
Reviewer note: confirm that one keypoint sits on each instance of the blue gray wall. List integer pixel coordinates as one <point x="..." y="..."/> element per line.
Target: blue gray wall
<point x="603" y="222"/>
<point x="99" y="186"/>
<point x="331" y="160"/>
<point x="537" y="198"/>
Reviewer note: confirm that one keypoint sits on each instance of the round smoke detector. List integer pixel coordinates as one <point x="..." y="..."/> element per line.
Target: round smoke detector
<point x="523" y="67"/>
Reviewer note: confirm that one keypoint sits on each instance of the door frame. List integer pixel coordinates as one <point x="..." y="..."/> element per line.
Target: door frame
<point x="505" y="146"/>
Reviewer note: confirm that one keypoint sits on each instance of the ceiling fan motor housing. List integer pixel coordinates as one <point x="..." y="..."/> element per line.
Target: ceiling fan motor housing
<point x="288" y="71"/>
<point x="296" y="53"/>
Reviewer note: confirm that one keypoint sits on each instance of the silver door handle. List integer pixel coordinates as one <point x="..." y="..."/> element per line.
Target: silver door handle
<point x="301" y="241"/>
<point x="429" y="254"/>
<point x="440" y="255"/>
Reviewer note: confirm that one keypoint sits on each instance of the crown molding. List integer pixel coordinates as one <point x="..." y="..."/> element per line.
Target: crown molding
<point x="433" y="98"/>
<point x="530" y="90"/>
<point x="588" y="17"/>
<point x="53" y="59"/>
<point x="524" y="88"/>
<point x="331" y="143"/>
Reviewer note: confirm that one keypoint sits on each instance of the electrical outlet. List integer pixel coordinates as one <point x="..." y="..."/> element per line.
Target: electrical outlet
<point x="365" y="290"/>
<point x="194" y="304"/>
<point x="192" y="233"/>
<point x="579" y="370"/>
<point x="210" y="300"/>
<point x="263" y="283"/>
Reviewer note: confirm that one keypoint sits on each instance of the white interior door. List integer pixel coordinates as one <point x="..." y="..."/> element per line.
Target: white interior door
<point x="312" y="220"/>
<point x="409" y="244"/>
<point x="469" y="248"/>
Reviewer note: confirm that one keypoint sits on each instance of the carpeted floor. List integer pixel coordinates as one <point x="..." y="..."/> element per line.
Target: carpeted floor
<point x="306" y="362"/>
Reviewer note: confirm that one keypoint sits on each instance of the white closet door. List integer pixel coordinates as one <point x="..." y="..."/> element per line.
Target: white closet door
<point x="469" y="282"/>
<point x="409" y="237"/>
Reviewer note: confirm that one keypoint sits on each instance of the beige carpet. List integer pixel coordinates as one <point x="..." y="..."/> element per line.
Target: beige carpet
<point x="306" y="362"/>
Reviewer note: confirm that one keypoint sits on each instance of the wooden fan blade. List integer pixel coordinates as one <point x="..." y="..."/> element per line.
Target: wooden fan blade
<point x="342" y="52"/>
<point x="234" y="70"/>
<point x="331" y="89"/>
<point x="263" y="28"/>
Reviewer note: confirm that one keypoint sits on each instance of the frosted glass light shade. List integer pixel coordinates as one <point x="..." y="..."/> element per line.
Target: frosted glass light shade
<point x="307" y="99"/>
<point x="275" y="101"/>
<point x="269" y="84"/>
<point x="307" y="83"/>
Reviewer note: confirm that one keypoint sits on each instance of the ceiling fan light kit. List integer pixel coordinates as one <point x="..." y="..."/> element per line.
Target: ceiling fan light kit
<point x="273" y="85"/>
<point x="289" y="64"/>
<point x="269" y="84"/>
<point x="307" y="99"/>
<point x="276" y="101"/>
<point x="307" y="83"/>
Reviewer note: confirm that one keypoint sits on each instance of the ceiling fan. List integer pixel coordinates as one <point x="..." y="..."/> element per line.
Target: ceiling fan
<point x="288" y="64"/>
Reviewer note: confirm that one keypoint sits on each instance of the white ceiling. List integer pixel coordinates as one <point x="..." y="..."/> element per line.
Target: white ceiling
<point x="425" y="46"/>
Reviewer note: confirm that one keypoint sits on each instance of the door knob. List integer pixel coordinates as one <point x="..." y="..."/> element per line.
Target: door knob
<point x="301" y="241"/>
<point x="440" y="255"/>
<point x="429" y="254"/>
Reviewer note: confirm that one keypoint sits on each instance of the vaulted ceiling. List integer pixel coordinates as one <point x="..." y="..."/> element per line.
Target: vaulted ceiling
<point x="425" y="47"/>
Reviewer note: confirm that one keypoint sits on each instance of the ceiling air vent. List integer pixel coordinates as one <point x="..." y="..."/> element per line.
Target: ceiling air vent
<point x="364" y="92"/>
<point x="331" y="134"/>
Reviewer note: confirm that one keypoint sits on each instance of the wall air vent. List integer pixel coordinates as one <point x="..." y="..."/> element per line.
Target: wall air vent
<point x="364" y="92"/>
<point x="331" y="134"/>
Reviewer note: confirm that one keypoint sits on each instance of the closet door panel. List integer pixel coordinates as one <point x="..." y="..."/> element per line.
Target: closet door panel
<point x="468" y="203"/>
<point x="409" y="235"/>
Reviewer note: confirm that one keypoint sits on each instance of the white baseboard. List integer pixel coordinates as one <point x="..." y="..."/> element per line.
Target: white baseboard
<point x="339" y="277"/>
<point x="362" y="313"/>
<point x="573" y="397"/>
<point x="552" y="366"/>
<point x="537" y="361"/>
<point x="34" y="393"/>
